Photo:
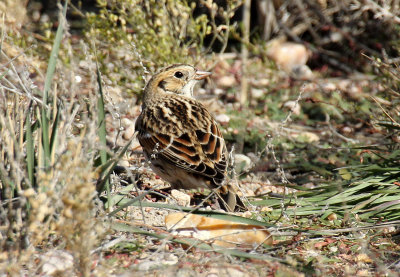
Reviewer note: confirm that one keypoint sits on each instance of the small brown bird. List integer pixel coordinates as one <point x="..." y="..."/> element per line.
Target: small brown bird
<point x="179" y="136"/>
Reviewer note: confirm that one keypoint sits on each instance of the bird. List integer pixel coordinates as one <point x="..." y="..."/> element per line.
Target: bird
<point x="179" y="136"/>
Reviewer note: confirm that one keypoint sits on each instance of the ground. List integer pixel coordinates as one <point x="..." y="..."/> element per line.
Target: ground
<point x="314" y="155"/>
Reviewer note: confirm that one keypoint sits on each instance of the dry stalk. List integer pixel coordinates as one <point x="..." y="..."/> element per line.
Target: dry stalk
<point x="62" y="213"/>
<point x="245" y="52"/>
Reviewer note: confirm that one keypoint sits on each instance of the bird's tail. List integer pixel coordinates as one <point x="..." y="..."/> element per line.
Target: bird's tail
<point x="230" y="201"/>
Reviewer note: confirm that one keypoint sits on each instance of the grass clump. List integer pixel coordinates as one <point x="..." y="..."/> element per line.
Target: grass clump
<point x="47" y="173"/>
<point x="163" y="32"/>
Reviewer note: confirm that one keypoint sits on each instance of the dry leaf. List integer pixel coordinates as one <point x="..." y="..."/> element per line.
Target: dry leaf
<point x="220" y="232"/>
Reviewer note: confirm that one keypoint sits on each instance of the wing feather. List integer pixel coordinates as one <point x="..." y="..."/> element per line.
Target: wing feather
<point x="200" y="151"/>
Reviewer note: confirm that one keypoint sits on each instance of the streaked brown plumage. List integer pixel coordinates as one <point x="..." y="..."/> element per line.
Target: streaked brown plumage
<point x="180" y="137"/>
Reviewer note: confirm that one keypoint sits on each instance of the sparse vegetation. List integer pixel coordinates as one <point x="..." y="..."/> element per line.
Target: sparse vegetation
<point x="321" y="157"/>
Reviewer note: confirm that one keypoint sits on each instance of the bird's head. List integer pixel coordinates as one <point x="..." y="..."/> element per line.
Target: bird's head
<point x="178" y="79"/>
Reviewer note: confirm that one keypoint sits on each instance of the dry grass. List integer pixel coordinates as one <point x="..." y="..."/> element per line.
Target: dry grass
<point x="50" y="203"/>
<point x="56" y="209"/>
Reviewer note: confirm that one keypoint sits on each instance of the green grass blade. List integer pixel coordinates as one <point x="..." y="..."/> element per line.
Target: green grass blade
<point x="364" y="203"/>
<point x="7" y="184"/>
<point x="390" y="125"/>
<point x="54" y="54"/>
<point x="101" y="119"/>
<point x="117" y="198"/>
<point x="125" y="202"/>
<point x="54" y="131"/>
<point x="30" y="150"/>
<point x="214" y="214"/>
<point x="45" y="137"/>
<point x="45" y="115"/>
<point x="102" y="137"/>
<point x="107" y="169"/>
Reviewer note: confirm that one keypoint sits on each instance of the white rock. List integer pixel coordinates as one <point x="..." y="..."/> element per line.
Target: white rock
<point x="182" y="198"/>
<point x="129" y="131"/>
<point x="255" y="158"/>
<point x="226" y="271"/>
<point x="56" y="261"/>
<point x="264" y="82"/>
<point x="336" y="37"/>
<point x="347" y="130"/>
<point x="257" y="93"/>
<point x="170" y="259"/>
<point x="355" y="90"/>
<point x="242" y="163"/>
<point x="147" y="265"/>
<point x="219" y="91"/>
<point x="302" y="72"/>
<point x="293" y="106"/>
<point x="110" y="66"/>
<point x="329" y="86"/>
<point x="126" y="122"/>
<point x="78" y="79"/>
<point x="222" y="118"/>
<point x="344" y="85"/>
<point x="287" y="55"/>
<point x="124" y="163"/>
<point x="226" y="81"/>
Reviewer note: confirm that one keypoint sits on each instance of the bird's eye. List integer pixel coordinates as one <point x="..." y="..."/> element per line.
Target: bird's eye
<point x="178" y="74"/>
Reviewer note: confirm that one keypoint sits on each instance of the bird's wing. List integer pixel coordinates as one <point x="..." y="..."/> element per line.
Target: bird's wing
<point x="198" y="150"/>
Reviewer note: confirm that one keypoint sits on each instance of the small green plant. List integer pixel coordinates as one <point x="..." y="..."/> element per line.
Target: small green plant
<point x="162" y="32"/>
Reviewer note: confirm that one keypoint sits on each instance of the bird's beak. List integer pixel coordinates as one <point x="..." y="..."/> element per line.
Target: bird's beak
<point x="200" y="75"/>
